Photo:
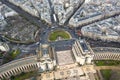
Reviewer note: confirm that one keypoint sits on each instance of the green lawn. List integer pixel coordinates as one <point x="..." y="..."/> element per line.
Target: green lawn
<point x="107" y="63"/>
<point x="23" y="75"/>
<point x="58" y="33"/>
<point x="14" y="53"/>
<point x="106" y="74"/>
<point x="11" y="55"/>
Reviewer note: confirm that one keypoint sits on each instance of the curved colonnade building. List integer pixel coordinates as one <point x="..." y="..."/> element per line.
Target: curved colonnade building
<point x="106" y="53"/>
<point x="17" y="66"/>
<point x="78" y="52"/>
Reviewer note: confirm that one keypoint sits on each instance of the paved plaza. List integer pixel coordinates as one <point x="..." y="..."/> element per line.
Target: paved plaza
<point x="64" y="57"/>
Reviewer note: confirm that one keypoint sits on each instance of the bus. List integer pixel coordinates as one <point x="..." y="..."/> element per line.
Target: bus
<point x="55" y="17"/>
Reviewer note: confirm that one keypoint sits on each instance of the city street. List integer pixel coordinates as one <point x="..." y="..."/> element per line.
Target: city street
<point x="53" y="43"/>
<point x="45" y="31"/>
<point x="25" y="14"/>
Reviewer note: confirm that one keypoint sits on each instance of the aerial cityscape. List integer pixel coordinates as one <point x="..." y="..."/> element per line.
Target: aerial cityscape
<point x="59" y="39"/>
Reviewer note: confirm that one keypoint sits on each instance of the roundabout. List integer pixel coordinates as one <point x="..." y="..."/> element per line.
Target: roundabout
<point x="59" y="35"/>
<point x="50" y="45"/>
